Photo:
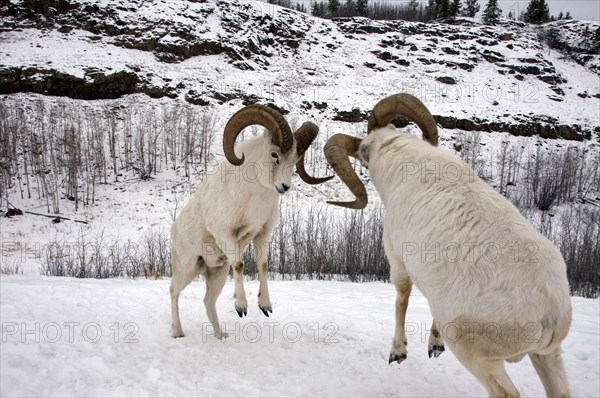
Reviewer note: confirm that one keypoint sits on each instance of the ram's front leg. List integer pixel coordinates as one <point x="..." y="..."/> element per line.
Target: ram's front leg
<point x="261" y="251"/>
<point x="436" y="342"/>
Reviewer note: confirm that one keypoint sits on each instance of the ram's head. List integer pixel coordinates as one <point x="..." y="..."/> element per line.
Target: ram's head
<point x="283" y="149"/>
<point x="340" y="146"/>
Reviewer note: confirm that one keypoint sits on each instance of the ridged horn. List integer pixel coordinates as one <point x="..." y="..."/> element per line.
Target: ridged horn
<point x="256" y="114"/>
<point x="304" y="136"/>
<point x="404" y="105"/>
<point x="337" y="149"/>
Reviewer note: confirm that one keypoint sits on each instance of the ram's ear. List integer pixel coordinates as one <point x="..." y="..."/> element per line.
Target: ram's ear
<point x="362" y="153"/>
<point x="266" y="133"/>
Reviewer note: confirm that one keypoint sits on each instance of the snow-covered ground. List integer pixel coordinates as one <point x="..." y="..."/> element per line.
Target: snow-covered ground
<point x="73" y="337"/>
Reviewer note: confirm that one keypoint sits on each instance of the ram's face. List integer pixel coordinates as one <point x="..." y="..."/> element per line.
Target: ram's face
<point x="272" y="166"/>
<point x="363" y="155"/>
<point x="371" y="141"/>
<point x="279" y="168"/>
<point x="377" y="140"/>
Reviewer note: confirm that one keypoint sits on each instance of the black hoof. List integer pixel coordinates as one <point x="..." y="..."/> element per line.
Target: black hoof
<point x="436" y="350"/>
<point x="266" y="310"/>
<point x="241" y="311"/>
<point x="396" y="358"/>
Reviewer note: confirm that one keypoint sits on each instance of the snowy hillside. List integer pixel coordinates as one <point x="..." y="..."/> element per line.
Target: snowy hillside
<point x="214" y="52"/>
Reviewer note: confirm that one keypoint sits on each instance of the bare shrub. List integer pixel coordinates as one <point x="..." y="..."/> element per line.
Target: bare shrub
<point x="321" y="245"/>
<point x="557" y="176"/>
<point x="15" y="269"/>
<point x="579" y="242"/>
<point x="97" y="257"/>
<point x="157" y="254"/>
<point x="509" y="163"/>
<point x="469" y="145"/>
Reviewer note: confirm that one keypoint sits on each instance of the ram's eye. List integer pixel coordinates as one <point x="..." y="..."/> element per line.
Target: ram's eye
<point x="275" y="156"/>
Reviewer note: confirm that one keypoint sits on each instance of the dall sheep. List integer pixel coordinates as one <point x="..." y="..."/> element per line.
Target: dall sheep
<point x="497" y="288"/>
<point x="234" y="206"/>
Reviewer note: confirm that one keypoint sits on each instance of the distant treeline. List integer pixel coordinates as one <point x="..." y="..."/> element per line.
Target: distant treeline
<point x="537" y="11"/>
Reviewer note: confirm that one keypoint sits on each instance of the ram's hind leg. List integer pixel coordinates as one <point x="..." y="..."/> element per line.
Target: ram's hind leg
<point x="552" y="373"/>
<point x="436" y="342"/>
<point x="403" y="289"/>
<point x="185" y="269"/>
<point x="399" y="277"/>
<point x="490" y="372"/>
<point x="401" y="281"/>
<point x="216" y="259"/>
<point x="494" y="378"/>
<point x="215" y="280"/>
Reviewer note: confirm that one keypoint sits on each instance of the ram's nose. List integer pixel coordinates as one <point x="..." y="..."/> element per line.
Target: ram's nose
<point x="283" y="188"/>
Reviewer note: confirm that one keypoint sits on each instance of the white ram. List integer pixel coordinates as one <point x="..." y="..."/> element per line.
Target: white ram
<point x="236" y="205"/>
<point x="497" y="288"/>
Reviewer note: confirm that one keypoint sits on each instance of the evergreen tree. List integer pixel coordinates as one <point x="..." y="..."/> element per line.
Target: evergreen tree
<point x="568" y="15"/>
<point x="544" y="11"/>
<point x="318" y="9"/>
<point x="432" y="10"/>
<point x="443" y="8"/>
<point x="492" y="12"/>
<point x="412" y="12"/>
<point x="349" y="9"/>
<point x="300" y="7"/>
<point x="560" y="16"/>
<point x="471" y="8"/>
<point x="455" y="7"/>
<point x="333" y="8"/>
<point x="510" y="15"/>
<point x="537" y="12"/>
<point x="362" y="7"/>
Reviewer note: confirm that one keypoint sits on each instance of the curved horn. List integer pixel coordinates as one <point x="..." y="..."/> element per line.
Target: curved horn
<point x="404" y="105"/>
<point x="337" y="149"/>
<point x="307" y="178"/>
<point x="256" y="114"/>
<point x="304" y="136"/>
